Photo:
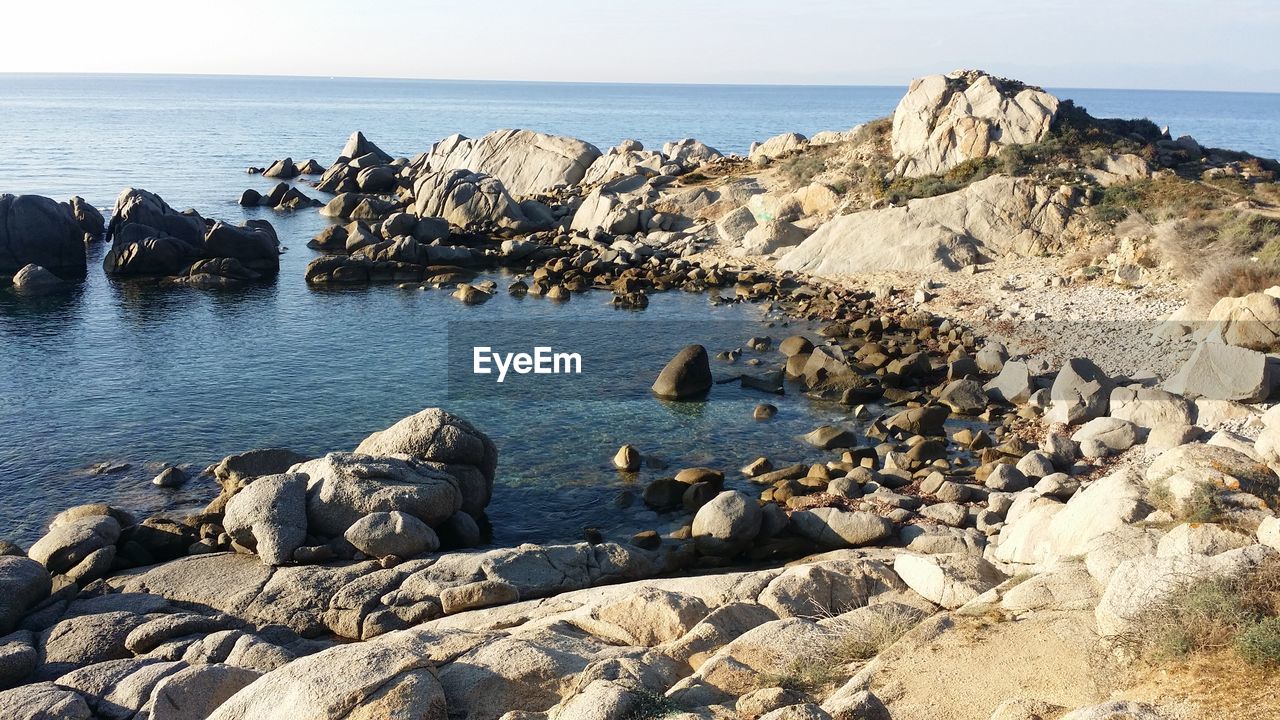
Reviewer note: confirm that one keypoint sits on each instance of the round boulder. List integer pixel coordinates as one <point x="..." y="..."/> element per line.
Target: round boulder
<point x="686" y="376"/>
<point x="727" y="524"/>
<point x="445" y="442"/>
<point x="392" y="533"/>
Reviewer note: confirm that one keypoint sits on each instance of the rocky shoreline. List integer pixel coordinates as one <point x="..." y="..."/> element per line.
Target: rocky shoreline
<point x="1004" y="518"/>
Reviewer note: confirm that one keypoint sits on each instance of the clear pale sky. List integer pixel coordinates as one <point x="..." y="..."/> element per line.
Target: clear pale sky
<point x="1180" y="44"/>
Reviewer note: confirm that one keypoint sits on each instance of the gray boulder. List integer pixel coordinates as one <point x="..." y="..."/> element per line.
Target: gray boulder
<point x="67" y="544"/>
<point x="834" y="528"/>
<point x="1014" y="384"/>
<point x="727" y="524"/>
<point x="944" y="120"/>
<point x="43" y="701"/>
<point x="36" y="230"/>
<point x="387" y="678"/>
<point x="686" y="376"/>
<point x="447" y="442"/>
<point x="1224" y="372"/>
<point x="964" y="397"/>
<point x="524" y="161"/>
<point x="26" y="583"/>
<point x="33" y="278"/>
<point x="468" y="200"/>
<point x="88" y="217"/>
<point x="256" y="463"/>
<point x="690" y="153"/>
<point x="360" y="146"/>
<point x="196" y="691"/>
<point x="343" y="487"/>
<point x="1080" y="392"/>
<point x="392" y="533"/>
<point x="270" y="516"/>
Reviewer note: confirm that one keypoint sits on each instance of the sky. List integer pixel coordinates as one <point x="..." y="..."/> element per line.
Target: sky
<point x="1174" y="44"/>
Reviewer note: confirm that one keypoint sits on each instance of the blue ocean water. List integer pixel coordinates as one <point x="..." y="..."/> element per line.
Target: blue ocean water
<point x="125" y="373"/>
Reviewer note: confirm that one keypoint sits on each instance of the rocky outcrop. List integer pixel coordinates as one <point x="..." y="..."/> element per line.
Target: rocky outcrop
<point x="776" y="147"/>
<point x="689" y="153"/>
<point x="468" y="200"/>
<point x="1251" y="321"/>
<point x="443" y="442"/>
<point x="944" y="120"/>
<point x="151" y="239"/>
<point x="523" y="161"/>
<point x="35" y="230"/>
<point x="996" y="216"/>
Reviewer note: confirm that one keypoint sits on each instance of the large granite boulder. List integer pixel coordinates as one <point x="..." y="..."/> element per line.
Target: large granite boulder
<point x="622" y="162"/>
<point x="35" y="230"/>
<point x="26" y="583"/>
<point x="609" y="212"/>
<point x="777" y="146"/>
<point x="359" y="146"/>
<point x="727" y="524"/>
<point x="1251" y="321"/>
<point x="44" y="701"/>
<point x="444" y="442"/>
<point x="944" y="120"/>
<point x="151" y="239"/>
<point x="35" y="279"/>
<point x="388" y="678"/>
<point x="524" y="161"/>
<point x="342" y="488"/>
<point x="88" y="217"/>
<point x="269" y="516"/>
<point x="993" y="217"/>
<point x="1218" y="371"/>
<point x="686" y="376"/>
<point x="690" y="153"/>
<point x="468" y="200"/>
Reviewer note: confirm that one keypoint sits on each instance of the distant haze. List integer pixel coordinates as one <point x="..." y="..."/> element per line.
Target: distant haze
<point x="1174" y="44"/>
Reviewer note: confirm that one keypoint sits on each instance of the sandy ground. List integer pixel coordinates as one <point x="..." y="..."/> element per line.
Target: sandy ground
<point x="969" y="670"/>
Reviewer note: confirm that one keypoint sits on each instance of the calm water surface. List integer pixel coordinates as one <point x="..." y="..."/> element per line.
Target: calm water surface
<point x="145" y="376"/>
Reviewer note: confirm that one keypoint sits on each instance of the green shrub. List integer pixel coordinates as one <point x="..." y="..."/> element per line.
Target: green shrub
<point x="650" y="705"/>
<point x="1259" y="644"/>
<point x="809" y="674"/>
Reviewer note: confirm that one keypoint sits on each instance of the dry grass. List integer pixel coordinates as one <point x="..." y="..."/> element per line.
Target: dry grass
<point x="1210" y="686"/>
<point x="1232" y="278"/>
<point x="1240" y="615"/>
<point x="1093" y="255"/>
<point x="846" y="644"/>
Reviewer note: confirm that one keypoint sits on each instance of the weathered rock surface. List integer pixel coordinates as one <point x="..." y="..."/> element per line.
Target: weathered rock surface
<point x="270" y="516"/>
<point x="26" y="583"/>
<point x="1224" y="372"/>
<point x="151" y="239"/>
<point x="990" y="218"/>
<point x="446" y="442"/>
<point x="468" y="200"/>
<point x="524" y="161"/>
<point x="35" y="230"/>
<point x="344" y="487"/>
<point x="944" y="120"/>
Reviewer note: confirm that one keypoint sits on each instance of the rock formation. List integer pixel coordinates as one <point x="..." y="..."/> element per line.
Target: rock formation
<point x="944" y="120"/>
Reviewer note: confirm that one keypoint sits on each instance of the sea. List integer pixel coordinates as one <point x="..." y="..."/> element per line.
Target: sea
<point x="143" y="377"/>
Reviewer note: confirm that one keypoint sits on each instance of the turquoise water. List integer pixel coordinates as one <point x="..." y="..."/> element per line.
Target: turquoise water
<point x="123" y="373"/>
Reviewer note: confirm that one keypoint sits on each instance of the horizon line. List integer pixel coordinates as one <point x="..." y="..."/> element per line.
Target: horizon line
<point x="375" y="78"/>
